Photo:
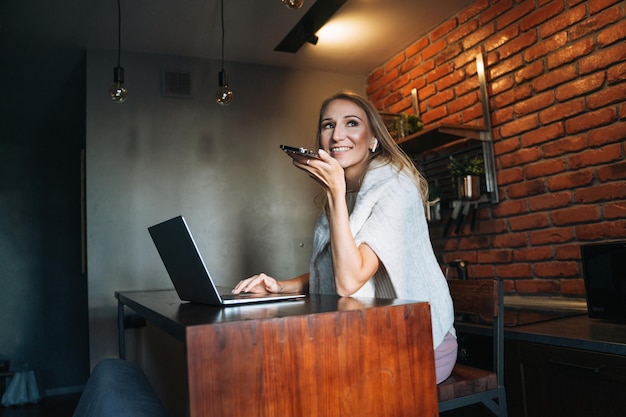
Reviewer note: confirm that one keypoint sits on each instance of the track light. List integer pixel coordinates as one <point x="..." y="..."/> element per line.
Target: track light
<point x="224" y="95"/>
<point x="117" y="91"/>
<point x="293" y="4"/>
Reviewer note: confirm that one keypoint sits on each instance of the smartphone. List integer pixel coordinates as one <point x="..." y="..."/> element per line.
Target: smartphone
<point x="300" y="153"/>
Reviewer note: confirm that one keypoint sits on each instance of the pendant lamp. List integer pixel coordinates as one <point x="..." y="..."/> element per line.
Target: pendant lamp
<point x="117" y="91"/>
<point x="224" y="95"/>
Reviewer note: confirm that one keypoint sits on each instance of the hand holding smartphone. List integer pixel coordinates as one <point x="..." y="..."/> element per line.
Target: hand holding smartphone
<point x="300" y="154"/>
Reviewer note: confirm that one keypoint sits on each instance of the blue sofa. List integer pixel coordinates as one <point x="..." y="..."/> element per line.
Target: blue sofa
<point x="118" y="388"/>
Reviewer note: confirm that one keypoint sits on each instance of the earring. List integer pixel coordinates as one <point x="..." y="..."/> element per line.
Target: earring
<point x="375" y="145"/>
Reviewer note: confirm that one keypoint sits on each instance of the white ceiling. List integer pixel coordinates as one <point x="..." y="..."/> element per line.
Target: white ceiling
<point x="371" y="31"/>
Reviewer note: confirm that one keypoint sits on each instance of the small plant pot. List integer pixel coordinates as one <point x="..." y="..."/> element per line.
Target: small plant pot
<point x="468" y="187"/>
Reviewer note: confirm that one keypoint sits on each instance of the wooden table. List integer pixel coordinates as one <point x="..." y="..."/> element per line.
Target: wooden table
<point x="324" y="356"/>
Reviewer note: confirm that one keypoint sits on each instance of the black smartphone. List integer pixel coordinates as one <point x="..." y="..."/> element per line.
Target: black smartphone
<point x="300" y="153"/>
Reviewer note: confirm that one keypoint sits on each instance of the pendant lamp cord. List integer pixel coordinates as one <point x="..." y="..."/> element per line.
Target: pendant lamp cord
<point x="119" y="31"/>
<point x="222" y="35"/>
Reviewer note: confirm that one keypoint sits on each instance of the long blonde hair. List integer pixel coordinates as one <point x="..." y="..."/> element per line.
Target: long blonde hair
<point x="388" y="151"/>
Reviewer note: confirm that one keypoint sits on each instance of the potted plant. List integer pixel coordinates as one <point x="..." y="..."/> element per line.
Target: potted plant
<point x="467" y="172"/>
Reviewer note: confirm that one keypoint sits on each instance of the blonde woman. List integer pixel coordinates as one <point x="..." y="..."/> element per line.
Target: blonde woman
<point x="372" y="238"/>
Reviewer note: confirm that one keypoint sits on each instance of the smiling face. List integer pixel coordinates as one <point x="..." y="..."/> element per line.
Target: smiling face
<point x="345" y="133"/>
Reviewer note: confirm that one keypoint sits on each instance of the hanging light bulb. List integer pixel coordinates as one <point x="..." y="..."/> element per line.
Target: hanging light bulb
<point x="293" y="4"/>
<point x="117" y="91"/>
<point x="224" y="95"/>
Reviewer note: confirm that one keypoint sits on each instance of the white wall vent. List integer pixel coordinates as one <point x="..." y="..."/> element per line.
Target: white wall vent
<point x="176" y="84"/>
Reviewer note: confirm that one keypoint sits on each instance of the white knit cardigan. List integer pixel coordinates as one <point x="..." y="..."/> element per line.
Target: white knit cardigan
<point x="388" y="216"/>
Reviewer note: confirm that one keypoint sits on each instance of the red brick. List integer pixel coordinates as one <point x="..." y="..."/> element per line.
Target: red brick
<point x="614" y="132"/>
<point x="521" y="157"/>
<point x="566" y="145"/>
<point x="542" y="134"/>
<point x="534" y="103"/>
<point x="505" y="67"/>
<point x="597" y="5"/>
<point x="549" y="201"/>
<point x="434" y="114"/>
<point x="562" y="111"/>
<point x="512" y="96"/>
<point x="602" y="230"/>
<point x="434" y="48"/>
<point x="525" y="189"/>
<point x="556" y="269"/>
<point x="544" y="168"/>
<point x="500" y="38"/>
<point x="500" y="117"/>
<point x="494" y="256"/>
<point x="462" y="31"/>
<point x="544" y="47"/>
<point x="616" y="210"/>
<point x="439" y="72"/>
<point x="467" y="85"/>
<point x="533" y="254"/>
<point x="594" y="23"/>
<point x="580" y="86"/>
<point x="572" y="179"/>
<point x="450" y="80"/>
<point x="601" y="192"/>
<point x="570" y="53"/>
<point x="548" y="236"/>
<point x="541" y="15"/>
<point x="515" y="271"/>
<point x="463" y="102"/>
<point x="563" y="21"/>
<point x="501" y="85"/>
<point x="573" y="287"/>
<point x="448" y="54"/>
<point x="518" y="44"/>
<point x="416" y="70"/>
<point x="517" y="126"/>
<point x="603" y="58"/>
<point x="537" y="286"/>
<point x="508" y="176"/>
<point x="612" y="34"/>
<point x="426" y="92"/>
<point x="520" y="10"/>
<point x="473" y="10"/>
<point x="530" y="221"/>
<point x="509" y="240"/>
<point x="472" y="113"/>
<point x="394" y="62"/>
<point x="572" y="215"/>
<point x="596" y="156"/>
<point x="529" y="72"/>
<point x="608" y="95"/>
<point x="590" y="120"/>
<point x="443" y="29"/>
<point x="568" y="252"/>
<point x="616" y="73"/>
<point x="478" y="36"/>
<point x="554" y="78"/>
<point x="416" y="47"/>
<point x="507" y="208"/>
<point x="441" y="98"/>
<point x="614" y="171"/>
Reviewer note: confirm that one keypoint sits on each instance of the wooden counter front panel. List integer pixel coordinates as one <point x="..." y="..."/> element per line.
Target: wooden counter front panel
<point x="372" y="362"/>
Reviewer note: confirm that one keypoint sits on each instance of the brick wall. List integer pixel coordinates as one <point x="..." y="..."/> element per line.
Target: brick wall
<point x="556" y="74"/>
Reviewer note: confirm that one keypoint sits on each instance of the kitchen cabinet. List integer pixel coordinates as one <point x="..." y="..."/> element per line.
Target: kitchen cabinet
<point x="555" y="381"/>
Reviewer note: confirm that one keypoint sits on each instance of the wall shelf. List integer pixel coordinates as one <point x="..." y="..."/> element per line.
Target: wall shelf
<point x="432" y="147"/>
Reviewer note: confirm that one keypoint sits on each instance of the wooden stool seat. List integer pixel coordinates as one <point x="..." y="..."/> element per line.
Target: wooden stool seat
<point x="466" y="380"/>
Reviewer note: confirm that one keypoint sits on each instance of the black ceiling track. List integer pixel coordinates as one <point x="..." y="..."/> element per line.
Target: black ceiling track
<point x="311" y="22"/>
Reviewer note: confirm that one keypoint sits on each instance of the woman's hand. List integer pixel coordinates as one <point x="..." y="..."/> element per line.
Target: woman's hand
<point x="258" y="284"/>
<point x="325" y="170"/>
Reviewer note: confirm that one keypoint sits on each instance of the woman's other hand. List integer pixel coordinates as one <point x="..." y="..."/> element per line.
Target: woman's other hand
<point x="259" y="284"/>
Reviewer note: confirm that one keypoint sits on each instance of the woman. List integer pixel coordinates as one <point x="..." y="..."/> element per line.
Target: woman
<point x="372" y="238"/>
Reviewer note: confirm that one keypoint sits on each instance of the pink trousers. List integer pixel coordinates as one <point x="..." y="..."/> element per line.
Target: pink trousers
<point x="445" y="357"/>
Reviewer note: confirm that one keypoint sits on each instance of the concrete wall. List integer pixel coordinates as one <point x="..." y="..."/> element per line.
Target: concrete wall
<point x="153" y="158"/>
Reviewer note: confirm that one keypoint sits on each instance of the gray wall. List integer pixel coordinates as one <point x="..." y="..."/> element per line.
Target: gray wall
<point x="153" y="157"/>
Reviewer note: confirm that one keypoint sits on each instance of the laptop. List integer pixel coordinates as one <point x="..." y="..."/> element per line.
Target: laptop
<point x="189" y="274"/>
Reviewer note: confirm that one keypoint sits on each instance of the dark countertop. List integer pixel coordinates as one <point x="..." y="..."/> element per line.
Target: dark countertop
<point x="557" y="322"/>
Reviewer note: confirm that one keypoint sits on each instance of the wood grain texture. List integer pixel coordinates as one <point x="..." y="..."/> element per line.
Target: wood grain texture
<point x="364" y="362"/>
